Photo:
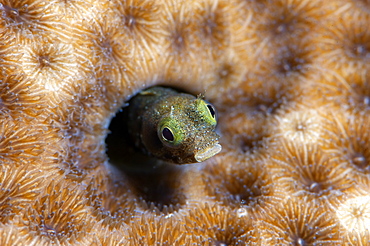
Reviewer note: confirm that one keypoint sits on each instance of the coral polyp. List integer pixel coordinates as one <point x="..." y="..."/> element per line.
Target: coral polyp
<point x="299" y="224"/>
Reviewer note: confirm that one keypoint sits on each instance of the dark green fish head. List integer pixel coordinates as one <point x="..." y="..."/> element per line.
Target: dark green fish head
<point x="174" y="127"/>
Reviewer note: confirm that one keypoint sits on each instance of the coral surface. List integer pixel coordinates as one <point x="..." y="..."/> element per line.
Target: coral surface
<point x="291" y="82"/>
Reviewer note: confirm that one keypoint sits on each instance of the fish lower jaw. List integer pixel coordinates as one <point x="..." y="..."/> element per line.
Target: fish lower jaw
<point x="208" y="153"/>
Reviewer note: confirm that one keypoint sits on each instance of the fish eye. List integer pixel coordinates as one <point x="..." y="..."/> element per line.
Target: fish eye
<point x="211" y="110"/>
<point x="170" y="132"/>
<point x="167" y="134"/>
<point x="207" y="111"/>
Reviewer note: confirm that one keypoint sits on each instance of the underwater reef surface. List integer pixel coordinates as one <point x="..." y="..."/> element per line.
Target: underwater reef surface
<point x="290" y="80"/>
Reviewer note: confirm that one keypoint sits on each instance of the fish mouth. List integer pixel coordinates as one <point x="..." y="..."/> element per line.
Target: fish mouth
<point x="207" y="153"/>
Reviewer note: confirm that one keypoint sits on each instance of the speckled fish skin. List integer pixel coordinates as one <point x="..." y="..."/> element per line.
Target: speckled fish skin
<point x="194" y="121"/>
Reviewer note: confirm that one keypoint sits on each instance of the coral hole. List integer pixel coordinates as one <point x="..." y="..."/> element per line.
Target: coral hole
<point x="358" y="46"/>
<point x="315" y="187"/>
<point x="244" y="195"/>
<point x="44" y="61"/>
<point x="360" y="50"/>
<point x="299" y="242"/>
<point x="291" y="62"/>
<point x="225" y="71"/>
<point x="360" y="95"/>
<point x="250" y="143"/>
<point x="116" y="141"/>
<point x="282" y="25"/>
<point x="316" y="180"/>
<point x="130" y="21"/>
<point x="178" y="40"/>
<point x="155" y="184"/>
<point x="12" y="13"/>
<point x="49" y="230"/>
<point x="361" y="162"/>
<point x="219" y="243"/>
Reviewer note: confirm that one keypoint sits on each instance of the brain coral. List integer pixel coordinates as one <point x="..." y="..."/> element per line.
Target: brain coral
<point x="290" y="79"/>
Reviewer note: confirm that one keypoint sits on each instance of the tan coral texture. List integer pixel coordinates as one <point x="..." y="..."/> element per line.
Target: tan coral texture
<point x="290" y="80"/>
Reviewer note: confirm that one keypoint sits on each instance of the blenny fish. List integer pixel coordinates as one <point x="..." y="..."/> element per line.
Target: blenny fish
<point x="172" y="126"/>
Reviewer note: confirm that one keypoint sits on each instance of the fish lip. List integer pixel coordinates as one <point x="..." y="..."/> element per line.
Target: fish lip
<point x="207" y="153"/>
